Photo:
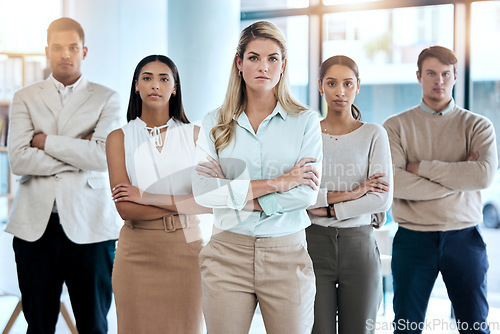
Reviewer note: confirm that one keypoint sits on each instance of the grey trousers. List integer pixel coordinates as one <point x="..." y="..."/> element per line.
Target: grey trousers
<point x="348" y="278"/>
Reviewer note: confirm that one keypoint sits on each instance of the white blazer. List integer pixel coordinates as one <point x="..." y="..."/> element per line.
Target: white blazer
<point x="71" y="170"/>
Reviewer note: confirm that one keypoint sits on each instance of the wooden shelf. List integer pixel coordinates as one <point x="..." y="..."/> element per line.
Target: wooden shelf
<point x="17" y="70"/>
<point x="21" y="55"/>
<point x="26" y="76"/>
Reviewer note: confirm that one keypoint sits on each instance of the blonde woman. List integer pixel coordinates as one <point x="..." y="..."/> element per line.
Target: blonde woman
<point x="261" y="154"/>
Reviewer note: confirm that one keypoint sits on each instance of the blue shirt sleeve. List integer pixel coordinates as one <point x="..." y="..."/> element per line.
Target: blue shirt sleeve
<point x="302" y="196"/>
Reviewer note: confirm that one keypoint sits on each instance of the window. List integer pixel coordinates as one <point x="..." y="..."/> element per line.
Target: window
<point x="342" y="2"/>
<point x="385" y="44"/>
<point x="485" y="53"/>
<point x="25" y="31"/>
<point x="249" y="5"/>
<point x="295" y="29"/>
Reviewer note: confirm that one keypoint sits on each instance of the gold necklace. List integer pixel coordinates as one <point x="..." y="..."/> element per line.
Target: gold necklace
<point x="325" y="130"/>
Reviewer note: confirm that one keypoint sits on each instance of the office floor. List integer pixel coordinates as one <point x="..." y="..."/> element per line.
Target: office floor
<point x="438" y="315"/>
<point x="438" y="318"/>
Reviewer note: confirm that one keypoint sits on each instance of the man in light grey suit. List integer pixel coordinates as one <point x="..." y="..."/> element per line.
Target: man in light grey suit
<point x="63" y="219"/>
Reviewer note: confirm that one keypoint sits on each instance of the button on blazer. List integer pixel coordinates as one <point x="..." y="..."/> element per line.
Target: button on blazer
<point x="71" y="171"/>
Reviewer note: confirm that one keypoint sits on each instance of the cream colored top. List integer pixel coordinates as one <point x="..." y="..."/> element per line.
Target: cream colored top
<point x="349" y="160"/>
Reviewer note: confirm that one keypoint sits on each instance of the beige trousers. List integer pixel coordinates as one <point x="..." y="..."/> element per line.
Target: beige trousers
<point x="239" y="271"/>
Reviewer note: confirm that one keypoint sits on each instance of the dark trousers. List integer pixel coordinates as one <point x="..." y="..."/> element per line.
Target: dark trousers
<point x="348" y="279"/>
<point x="43" y="266"/>
<point x="460" y="256"/>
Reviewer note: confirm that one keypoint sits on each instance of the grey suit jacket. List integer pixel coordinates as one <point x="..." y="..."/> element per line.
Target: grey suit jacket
<point x="71" y="170"/>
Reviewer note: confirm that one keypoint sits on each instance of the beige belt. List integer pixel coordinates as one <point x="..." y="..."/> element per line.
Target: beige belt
<point x="167" y="223"/>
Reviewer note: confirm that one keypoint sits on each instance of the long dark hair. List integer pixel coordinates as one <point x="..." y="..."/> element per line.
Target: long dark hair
<point x="135" y="102"/>
<point x="344" y="61"/>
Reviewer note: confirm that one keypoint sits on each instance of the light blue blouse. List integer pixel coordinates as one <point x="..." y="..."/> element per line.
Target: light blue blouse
<point x="282" y="139"/>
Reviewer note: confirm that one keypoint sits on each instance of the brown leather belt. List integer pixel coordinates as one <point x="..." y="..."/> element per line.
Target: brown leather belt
<point x="167" y="223"/>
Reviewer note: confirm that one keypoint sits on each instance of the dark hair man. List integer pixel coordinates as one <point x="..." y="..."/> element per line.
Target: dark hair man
<point x="63" y="219"/>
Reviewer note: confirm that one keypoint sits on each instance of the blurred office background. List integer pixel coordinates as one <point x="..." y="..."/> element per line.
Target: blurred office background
<point x="383" y="36"/>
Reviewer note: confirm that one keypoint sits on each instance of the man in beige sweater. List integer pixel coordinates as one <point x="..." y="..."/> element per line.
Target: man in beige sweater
<point x="443" y="155"/>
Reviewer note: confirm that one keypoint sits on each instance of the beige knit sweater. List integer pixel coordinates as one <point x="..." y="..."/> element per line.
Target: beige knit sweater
<point x="445" y="194"/>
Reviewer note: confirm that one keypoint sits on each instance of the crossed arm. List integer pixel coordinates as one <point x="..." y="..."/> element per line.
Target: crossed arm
<point x="134" y="203"/>
<point x="372" y="195"/>
<point x="374" y="184"/>
<point x="293" y="190"/>
<point x="301" y="174"/>
<point x="33" y="152"/>
<point x="430" y="180"/>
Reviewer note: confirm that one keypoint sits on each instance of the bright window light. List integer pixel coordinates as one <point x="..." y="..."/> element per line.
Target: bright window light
<point x="23" y="24"/>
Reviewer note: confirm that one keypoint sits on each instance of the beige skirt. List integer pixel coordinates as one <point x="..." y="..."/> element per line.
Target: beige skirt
<point x="156" y="277"/>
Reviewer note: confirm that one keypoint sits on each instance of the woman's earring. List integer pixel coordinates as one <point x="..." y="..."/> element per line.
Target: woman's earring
<point x="137" y="92"/>
<point x="239" y="73"/>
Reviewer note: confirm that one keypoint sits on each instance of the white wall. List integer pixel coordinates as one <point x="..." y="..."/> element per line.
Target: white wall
<point x="119" y="33"/>
<point x="200" y="36"/>
<point x="202" y="40"/>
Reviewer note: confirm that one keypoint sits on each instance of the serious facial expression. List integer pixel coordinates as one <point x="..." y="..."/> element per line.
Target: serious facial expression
<point x="65" y="54"/>
<point x="437" y="81"/>
<point x="339" y="87"/>
<point x="262" y="64"/>
<point x="155" y="84"/>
